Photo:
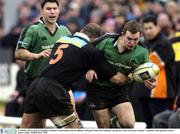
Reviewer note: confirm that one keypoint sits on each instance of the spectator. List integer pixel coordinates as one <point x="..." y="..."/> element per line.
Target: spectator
<point x="171" y="8"/>
<point x="161" y="53"/>
<point x="171" y="118"/>
<point x="96" y="16"/>
<point x="108" y="26"/>
<point x="10" y="40"/>
<point x="1" y="13"/>
<point x="15" y="106"/>
<point x="1" y="36"/>
<point x="165" y="24"/>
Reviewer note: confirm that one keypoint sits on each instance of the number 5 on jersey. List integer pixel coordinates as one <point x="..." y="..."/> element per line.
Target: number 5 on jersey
<point x="58" y="53"/>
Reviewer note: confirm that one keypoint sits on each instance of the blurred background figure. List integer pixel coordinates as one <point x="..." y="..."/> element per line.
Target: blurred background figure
<point x="109" y="26"/>
<point x="171" y="118"/>
<point x="161" y="53"/>
<point x="1" y="12"/>
<point x="15" y="106"/>
<point x="163" y="20"/>
<point x="9" y="41"/>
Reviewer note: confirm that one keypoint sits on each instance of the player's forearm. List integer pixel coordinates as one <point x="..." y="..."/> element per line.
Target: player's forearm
<point x="24" y="54"/>
<point x="120" y="79"/>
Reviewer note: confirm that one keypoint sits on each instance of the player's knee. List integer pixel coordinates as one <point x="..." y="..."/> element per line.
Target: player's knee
<point x="103" y="124"/>
<point x="127" y="123"/>
<point x="64" y="122"/>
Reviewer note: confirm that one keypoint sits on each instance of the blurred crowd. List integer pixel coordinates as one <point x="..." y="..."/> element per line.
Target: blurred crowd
<point x="111" y="15"/>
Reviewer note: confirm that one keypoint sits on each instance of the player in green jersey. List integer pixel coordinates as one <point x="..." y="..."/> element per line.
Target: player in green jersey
<point x="124" y="53"/>
<point x="36" y="40"/>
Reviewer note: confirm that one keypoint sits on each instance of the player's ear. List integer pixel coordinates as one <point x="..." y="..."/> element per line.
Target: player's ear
<point x="142" y="38"/>
<point x="41" y="12"/>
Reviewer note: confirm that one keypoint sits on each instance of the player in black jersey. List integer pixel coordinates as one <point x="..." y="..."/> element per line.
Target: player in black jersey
<point x="71" y="58"/>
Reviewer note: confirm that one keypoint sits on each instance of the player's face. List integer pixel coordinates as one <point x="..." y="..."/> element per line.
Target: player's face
<point x="131" y="40"/>
<point x="150" y="30"/>
<point x="50" y="12"/>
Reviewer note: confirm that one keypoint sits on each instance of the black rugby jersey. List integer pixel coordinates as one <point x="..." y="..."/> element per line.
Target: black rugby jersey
<point x="72" y="57"/>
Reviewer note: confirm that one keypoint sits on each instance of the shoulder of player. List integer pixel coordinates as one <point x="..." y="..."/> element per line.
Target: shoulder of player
<point x="141" y="49"/>
<point x="89" y="48"/>
<point x="62" y="26"/>
<point x="108" y="37"/>
<point x="107" y="42"/>
<point x="34" y="26"/>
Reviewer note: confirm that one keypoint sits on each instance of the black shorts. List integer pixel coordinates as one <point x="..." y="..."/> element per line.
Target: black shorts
<point x="104" y="97"/>
<point x="47" y="97"/>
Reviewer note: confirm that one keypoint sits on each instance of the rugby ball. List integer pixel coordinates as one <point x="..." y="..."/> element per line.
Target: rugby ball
<point x="145" y="71"/>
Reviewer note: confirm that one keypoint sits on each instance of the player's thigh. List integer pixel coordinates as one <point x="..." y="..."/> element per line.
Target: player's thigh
<point x="125" y="114"/>
<point x="102" y="118"/>
<point x="33" y="120"/>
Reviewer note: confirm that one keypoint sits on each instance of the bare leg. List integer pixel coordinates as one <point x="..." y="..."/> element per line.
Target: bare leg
<point x="102" y="118"/>
<point x="125" y="114"/>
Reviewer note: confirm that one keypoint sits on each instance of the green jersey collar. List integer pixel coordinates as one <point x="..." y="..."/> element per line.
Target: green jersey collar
<point x="57" y="26"/>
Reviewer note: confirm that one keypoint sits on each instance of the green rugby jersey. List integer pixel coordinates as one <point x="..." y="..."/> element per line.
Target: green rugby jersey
<point x="36" y="38"/>
<point x="124" y="62"/>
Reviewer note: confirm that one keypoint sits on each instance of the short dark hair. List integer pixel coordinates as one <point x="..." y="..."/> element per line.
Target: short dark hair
<point x="150" y="18"/>
<point x="92" y="30"/>
<point x="133" y="27"/>
<point x="43" y="2"/>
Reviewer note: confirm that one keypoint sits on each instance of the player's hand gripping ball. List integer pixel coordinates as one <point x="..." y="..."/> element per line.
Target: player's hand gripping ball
<point x="145" y="71"/>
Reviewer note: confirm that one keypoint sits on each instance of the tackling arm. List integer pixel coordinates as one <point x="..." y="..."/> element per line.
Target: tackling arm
<point x="120" y="79"/>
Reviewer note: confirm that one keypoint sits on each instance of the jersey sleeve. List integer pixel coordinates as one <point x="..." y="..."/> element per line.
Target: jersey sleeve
<point x="26" y="38"/>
